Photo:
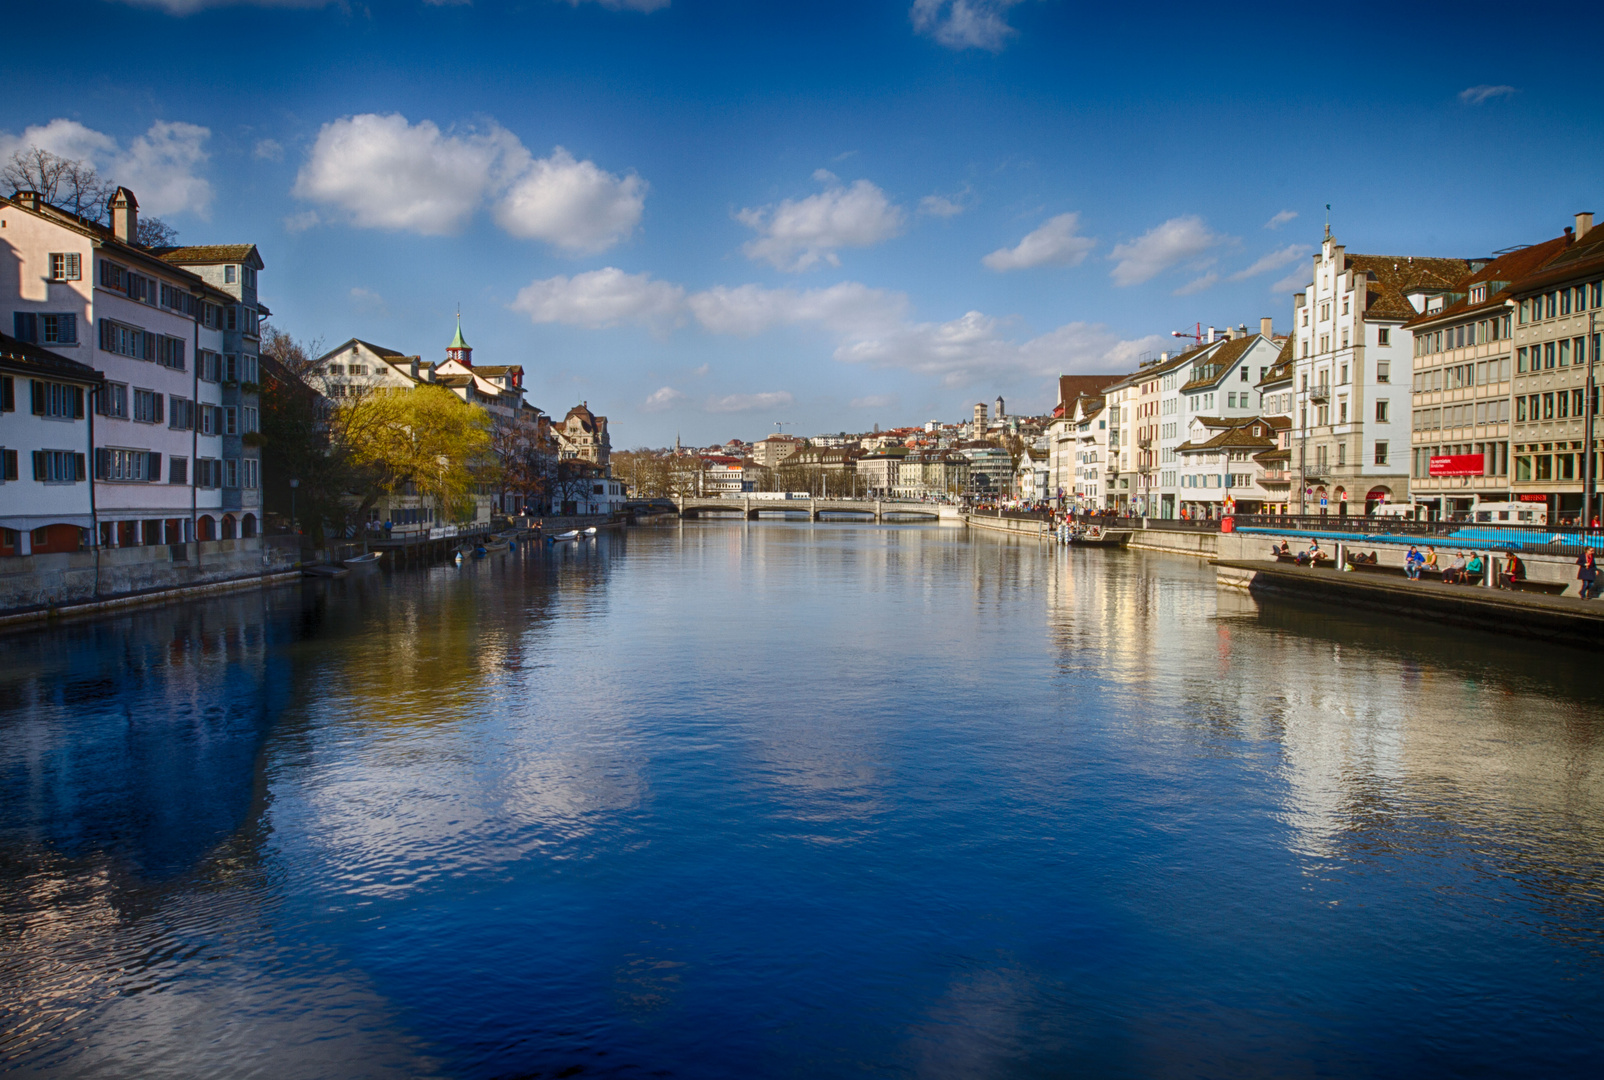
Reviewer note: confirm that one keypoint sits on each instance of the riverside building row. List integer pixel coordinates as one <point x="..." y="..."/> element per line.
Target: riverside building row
<point x="128" y="403"/>
<point x="1442" y="382"/>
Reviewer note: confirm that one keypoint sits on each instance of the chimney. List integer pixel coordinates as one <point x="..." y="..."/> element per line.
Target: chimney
<point x="1266" y="327"/>
<point x="1584" y="223"/>
<point x="125" y="216"/>
<point x="28" y="200"/>
<point x="1210" y="339"/>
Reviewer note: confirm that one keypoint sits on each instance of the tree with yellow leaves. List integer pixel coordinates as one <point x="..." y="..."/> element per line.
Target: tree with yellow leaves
<point x="425" y="437"/>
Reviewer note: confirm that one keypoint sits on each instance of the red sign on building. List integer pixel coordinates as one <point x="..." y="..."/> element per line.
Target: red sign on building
<point x="1458" y="465"/>
<point x="1532" y="496"/>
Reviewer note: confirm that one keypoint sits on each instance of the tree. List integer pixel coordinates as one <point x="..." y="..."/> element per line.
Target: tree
<point x="425" y="440"/>
<point x="297" y="441"/>
<point x="76" y="186"/>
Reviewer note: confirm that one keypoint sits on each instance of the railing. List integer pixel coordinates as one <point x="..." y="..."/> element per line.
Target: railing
<point x="1320" y="393"/>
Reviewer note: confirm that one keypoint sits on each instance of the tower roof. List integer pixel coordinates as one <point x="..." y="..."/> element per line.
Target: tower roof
<point x="457" y="342"/>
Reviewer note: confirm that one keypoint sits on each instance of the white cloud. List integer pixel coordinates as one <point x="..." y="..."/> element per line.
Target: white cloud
<point x="299" y="223"/>
<point x="662" y="399"/>
<point x="1475" y="95"/>
<point x="572" y="204"/>
<point x="1294" y="282"/>
<point x="1198" y="284"/>
<point x="1176" y="241"/>
<point x="268" y="150"/>
<point x="964" y="24"/>
<point x="189" y="7"/>
<point x="368" y="302"/>
<point x="874" y="401"/>
<point x="1055" y="243"/>
<point x="800" y="234"/>
<point x="1275" y="260"/>
<point x="845" y="309"/>
<point x="748" y="402"/>
<point x="701" y="371"/>
<point x="1280" y="219"/>
<point x="383" y="172"/>
<point x="943" y="206"/>
<point x="625" y="5"/>
<point x="161" y="166"/>
<point x="606" y="297"/>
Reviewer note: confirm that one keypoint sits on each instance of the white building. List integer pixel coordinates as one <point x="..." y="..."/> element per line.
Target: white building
<point x="45" y="450"/>
<point x="1219" y="465"/>
<point x="1351" y="426"/>
<point x="156" y="331"/>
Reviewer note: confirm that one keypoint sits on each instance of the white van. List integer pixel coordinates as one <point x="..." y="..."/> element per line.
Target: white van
<point x="1409" y="511"/>
<point x="1511" y="513"/>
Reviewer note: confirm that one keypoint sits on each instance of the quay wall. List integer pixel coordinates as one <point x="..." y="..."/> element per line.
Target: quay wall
<point x="42" y="586"/>
<point x="1555" y="571"/>
<point x="1021" y="527"/>
<point x="1176" y="541"/>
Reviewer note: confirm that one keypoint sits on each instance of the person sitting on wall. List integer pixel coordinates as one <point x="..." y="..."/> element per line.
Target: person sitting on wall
<point x="1413" y="561"/>
<point x="1431" y="560"/>
<point x="1455" y="574"/>
<point x="1514" y="571"/>
<point x="1312" y="555"/>
<point x="1473" y="570"/>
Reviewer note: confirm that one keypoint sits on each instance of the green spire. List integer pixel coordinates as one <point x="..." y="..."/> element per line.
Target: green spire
<point x="457" y="342"/>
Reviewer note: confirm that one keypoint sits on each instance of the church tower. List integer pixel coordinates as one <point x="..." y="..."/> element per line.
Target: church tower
<point x="459" y="350"/>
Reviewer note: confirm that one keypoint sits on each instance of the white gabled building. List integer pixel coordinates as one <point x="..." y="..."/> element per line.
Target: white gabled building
<point x="1350" y="436"/>
<point x="1220" y="467"/>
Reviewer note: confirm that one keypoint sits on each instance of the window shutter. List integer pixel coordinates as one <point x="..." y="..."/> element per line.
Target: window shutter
<point x="102" y="396"/>
<point x="102" y="464"/>
<point x="38" y="464"/>
<point x="8" y="464"/>
<point x="25" y="326"/>
<point x="38" y="396"/>
<point x="8" y="394"/>
<point x="78" y="467"/>
<point x="77" y="403"/>
<point x="153" y="470"/>
<point x="148" y="340"/>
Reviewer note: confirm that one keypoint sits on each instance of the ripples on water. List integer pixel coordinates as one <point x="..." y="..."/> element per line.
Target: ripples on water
<point x="795" y="800"/>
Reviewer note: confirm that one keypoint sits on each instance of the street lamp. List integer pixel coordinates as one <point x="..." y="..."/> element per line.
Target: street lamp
<point x="1589" y="468"/>
<point x="294" y="483"/>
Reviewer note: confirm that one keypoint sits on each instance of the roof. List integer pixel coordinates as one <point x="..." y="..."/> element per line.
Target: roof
<point x="108" y="239"/>
<point x="1584" y="257"/>
<point x="505" y="369"/>
<point x="209" y="253"/>
<point x="1241" y="437"/>
<point x="20" y="356"/>
<point x="1503" y="271"/>
<point x="458" y="342"/>
<point x="1218" y="362"/>
<point x="1071" y="387"/>
<point x="1282" y="368"/>
<point x="377" y="350"/>
<point x="1395" y="276"/>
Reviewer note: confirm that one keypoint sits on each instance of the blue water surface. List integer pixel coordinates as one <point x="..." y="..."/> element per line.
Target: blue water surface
<point x="796" y="800"/>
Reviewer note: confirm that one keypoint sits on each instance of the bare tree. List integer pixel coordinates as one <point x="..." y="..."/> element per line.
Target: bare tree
<point x="78" y="188"/>
<point x="74" y="186"/>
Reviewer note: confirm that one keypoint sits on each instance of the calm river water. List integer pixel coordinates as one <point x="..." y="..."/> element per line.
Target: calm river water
<point x="780" y="799"/>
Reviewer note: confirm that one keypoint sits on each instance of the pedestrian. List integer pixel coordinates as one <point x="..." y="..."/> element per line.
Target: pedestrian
<point x="1587" y="573"/>
<point x="1412" y="563"/>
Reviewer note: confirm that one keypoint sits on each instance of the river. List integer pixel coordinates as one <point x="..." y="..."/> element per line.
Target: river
<point x="784" y="799"/>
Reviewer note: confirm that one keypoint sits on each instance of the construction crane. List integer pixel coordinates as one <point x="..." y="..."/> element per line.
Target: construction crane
<point x="1196" y="335"/>
<point x="779" y="425"/>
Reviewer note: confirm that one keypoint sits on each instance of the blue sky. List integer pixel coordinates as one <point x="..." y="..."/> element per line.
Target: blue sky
<point x="706" y="216"/>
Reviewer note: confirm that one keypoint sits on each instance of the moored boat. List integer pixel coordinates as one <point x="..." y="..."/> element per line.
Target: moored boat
<point x="361" y="560"/>
<point x="571" y="534"/>
<point x="323" y="570"/>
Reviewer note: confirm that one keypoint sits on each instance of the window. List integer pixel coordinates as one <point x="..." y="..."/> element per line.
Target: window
<point x="230" y="367"/>
<point x="177" y="470"/>
<point x="230" y="274"/>
<point x="1548" y="406"/>
<point x="1381" y="412"/>
<point x="180" y="413"/>
<point x="66" y="266"/>
<point x="1548" y="354"/>
<point x="147" y="407"/>
<point x="230" y="420"/>
<point x="232" y="322"/>
<point x="1384" y="336"/>
<point x="1551" y="304"/>
<point x="170" y="352"/>
<point x="8" y="394"/>
<point x="127" y="465"/>
<point x="231" y="472"/>
<point x="1244" y="374"/>
<point x="1565" y="353"/>
<point x="126" y="340"/>
<point x="1383" y="371"/>
<point x="247" y="368"/>
<point x="8" y="465"/>
<point x="59" y="329"/>
<point x="248" y="417"/>
<point x="57" y="401"/>
<point x="249" y="477"/>
<point x="208" y="419"/>
<point x="208" y="473"/>
<point x="58" y="466"/>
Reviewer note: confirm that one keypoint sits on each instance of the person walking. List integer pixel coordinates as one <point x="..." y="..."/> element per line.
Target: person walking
<point x="1587" y="573"/>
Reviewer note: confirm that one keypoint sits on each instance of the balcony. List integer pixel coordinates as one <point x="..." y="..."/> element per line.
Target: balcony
<point x="1144" y="443"/>
<point x="1320" y="394"/>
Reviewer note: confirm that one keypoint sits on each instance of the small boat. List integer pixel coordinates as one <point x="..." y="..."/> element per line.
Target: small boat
<point x="591" y="531"/>
<point x="493" y="545"/>
<point x="571" y="534"/>
<point x="458" y="559"/>
<point x="323" y="570"/>
<point x="1096" y="537"/>
<point x="361" y="560"/>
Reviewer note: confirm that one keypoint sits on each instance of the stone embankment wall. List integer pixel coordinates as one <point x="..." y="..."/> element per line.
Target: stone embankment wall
<point x="36" y="586"/>
<point x="1177" y="541"/>
<point x="1022" y="527"/>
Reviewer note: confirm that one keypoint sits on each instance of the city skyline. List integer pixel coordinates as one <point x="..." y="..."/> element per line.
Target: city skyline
<point x="704" y="218"/>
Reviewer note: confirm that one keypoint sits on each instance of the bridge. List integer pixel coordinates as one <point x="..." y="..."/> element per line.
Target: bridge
<point x="751" y="509"/>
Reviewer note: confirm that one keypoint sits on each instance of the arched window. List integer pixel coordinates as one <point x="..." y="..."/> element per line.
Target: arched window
<point x="206" y="528"/>
<point x="247" y="526"/>
<point x="228" y="526"/>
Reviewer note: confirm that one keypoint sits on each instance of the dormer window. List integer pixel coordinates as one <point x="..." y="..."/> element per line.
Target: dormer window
<point x="1478" y="294"/>
<point x="230" y="275"/>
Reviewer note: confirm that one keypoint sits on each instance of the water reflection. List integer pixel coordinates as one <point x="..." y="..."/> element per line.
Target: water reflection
<point x="736" y="799"/>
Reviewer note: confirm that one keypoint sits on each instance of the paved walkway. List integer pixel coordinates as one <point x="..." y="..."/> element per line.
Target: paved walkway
<point x="1568" y="618"/>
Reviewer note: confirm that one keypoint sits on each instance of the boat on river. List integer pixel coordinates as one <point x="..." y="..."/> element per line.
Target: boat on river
<point x="358" y="561"/>
<point x="591" y="531"/>
<point x="324" y="570"/>
<point x="571" y="534"/>
<point x="1096" y="536"/>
